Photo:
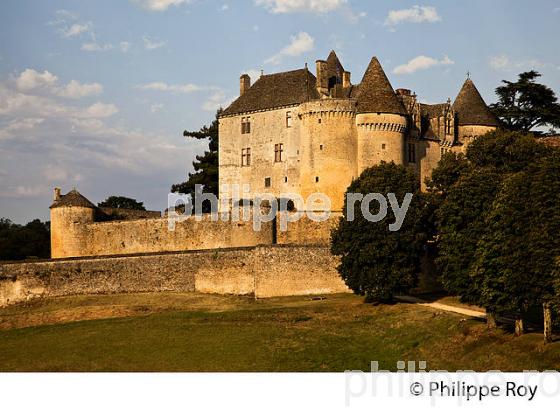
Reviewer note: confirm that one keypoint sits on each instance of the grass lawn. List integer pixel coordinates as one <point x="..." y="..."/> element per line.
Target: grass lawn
<point x="194" y="332"/>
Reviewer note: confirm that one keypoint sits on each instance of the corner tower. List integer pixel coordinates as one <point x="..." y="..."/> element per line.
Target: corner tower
<point x="380" y="120"/>
<point x="70" y="214"/>
<point x="473" y="117"/>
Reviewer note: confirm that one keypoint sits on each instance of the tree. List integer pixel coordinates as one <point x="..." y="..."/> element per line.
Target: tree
<point x="20" y="242"/>
<point x="376" y="262"/>
<point x="205" y="166"/>
<point x="525" y="104"/>
<point x="122" y="202"/>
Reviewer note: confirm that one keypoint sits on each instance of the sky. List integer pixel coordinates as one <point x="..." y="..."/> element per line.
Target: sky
<point x="96" y="94"/>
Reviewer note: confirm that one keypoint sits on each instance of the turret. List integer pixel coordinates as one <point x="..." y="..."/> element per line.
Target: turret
<point x="381" y="120"/>
<point x="473" y="117"/>
<point x="70" y="215"/>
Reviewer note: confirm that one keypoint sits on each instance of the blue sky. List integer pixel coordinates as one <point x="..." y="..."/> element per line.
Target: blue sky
<point x="96" y="94"/>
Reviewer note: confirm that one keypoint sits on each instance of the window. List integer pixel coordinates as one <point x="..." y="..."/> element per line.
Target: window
<point x="382" y="146"/>
<point x="319" y="121"/>
<point x="278" y="150"/>
<point x="245" y="157"/>
<point x="267" y="182"/>
<point x="448" y="126"/>
<point x="285" y="179"/>
<point x="288" y="119"/>
<point x="411" y="153"/>
<point x="316" y="179"/>
<point x="245" y="125"/>
<point x="321" y="147"/>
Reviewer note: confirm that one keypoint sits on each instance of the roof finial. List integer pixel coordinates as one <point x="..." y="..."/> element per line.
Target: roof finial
<point x="468" y="74"/>
<point x="262" y="72"/>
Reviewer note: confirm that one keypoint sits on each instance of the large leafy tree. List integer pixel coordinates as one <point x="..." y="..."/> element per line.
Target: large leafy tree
<point x="516" y="255"/>
<point x="376" y="262"/>
<point x="525" y="104"/>
<point x="205" y="166"/>
<point x="122" y="202"/>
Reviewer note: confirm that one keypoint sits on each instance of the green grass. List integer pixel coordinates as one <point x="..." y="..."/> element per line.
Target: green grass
<point x="193" y="332"/>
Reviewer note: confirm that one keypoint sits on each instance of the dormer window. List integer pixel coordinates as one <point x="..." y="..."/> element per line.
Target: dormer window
<point x="245" y="125"/>
<point x="289" y="119"/>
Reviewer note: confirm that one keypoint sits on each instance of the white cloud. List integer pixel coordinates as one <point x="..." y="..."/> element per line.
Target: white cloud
<point x="179" y="88"/>
<point x="306" y="6"/>
<point x="93" y="46"/>
<point x="157" y="107"/>
<point x="503" y="62"/>
<point x="224" y="7"/>
<point x="76" y="29"/>
<point x="216" y="100"/>
<point x="421" y="63"/>
<point x="301" y="43"/>
<point x="158" y="5"/>
<point x="152" y="44"/>
<point x="75" y="90"/>
<point x="98" y="110"/>
<point x="30" y="79"/>
<point x="415" y="14"/>
<point x="124" y="46"/>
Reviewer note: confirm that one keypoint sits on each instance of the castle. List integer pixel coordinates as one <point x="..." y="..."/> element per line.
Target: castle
<point x="298" y="133"/>
<point x="288" y="133"/>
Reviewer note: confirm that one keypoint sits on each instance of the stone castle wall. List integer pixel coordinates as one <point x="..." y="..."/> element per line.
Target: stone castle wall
<point x="265" y="271"/>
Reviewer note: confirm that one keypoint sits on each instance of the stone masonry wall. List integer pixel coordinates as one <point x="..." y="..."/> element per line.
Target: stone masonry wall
<point x="265" y="271"/>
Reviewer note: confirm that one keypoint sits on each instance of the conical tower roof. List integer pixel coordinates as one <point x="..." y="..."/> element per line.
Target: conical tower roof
<point x="73" y="198"/>
<point x="471" y="108"/>
<point x="334" y="66"/>
<point x="376" y="93"/>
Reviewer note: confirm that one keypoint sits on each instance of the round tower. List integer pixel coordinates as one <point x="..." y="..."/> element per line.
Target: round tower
<point x="70" y="215"/>
<point x="327" y="149"/>
<point x="381" y="120"/>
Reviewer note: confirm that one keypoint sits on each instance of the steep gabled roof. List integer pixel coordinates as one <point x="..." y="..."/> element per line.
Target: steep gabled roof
<point x="276" y="90"/>
<point x="471" y="108"/>
<point x="73" y="198"/>
<point x="376" y="95"/>
<point x="432" y="110"/>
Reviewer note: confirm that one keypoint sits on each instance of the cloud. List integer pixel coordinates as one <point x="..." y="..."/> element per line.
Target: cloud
<point x="216" y="100"/>
<point x="415" y="14"/>
<point x="76" y="29"/>
<point x="94" y="46"/>
<point x="301" y="43"/>
<point x="254" y="74"/>
<point x="156" y="108"/>
<point x="503" y="62"/>
<point x="224" y="7"/>
<point x="421" y="63"/>
<point x="125" y="46"/>
<point x="158" y="5"/>
<point x="298" y="6"/>
<point x="30" y="80"/>
<point x="152" y="44"/>
<point x="178" y="88"/>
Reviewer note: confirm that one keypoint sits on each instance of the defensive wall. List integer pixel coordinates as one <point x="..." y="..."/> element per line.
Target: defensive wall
<point x="262" y="271"/>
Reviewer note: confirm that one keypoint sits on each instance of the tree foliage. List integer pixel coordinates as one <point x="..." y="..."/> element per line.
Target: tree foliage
<point x="19" y="242"/>
<point x="205" y="166"/>
<point x="525" y="104"/>
<point x="376" y="262"/>
<point x="122" y="202"/>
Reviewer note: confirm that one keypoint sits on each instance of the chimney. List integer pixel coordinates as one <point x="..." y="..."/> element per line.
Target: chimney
<point x="56" y="196"/>
<point x="322" y="80"/>
<point x="346" y="79"/>
<point x="244" y="83"/>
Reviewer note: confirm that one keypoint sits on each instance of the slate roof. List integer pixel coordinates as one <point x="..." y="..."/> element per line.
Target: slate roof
<point x="471" y="108"/>
<point x="432" y="110"/>
<point x="276" y="90"/>
<point x="73" y="198"/>
<point x="376" y="93"/>
<point x="334" y="66"/>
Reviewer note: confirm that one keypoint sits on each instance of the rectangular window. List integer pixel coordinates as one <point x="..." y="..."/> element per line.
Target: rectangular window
<point x="245" y="157"/>
<point x="411" y="153"/>
<point x="278" y="150"/>
<point x="289" y="119"/>
<point x="267" y="182"/>
<point x="245" y="125"/>
<point x="382" y="146"/>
